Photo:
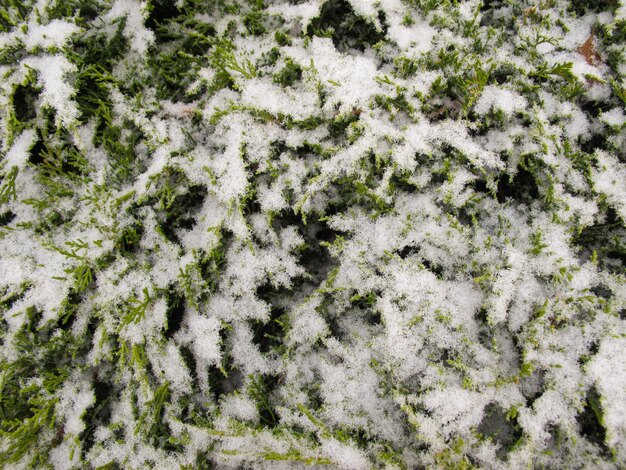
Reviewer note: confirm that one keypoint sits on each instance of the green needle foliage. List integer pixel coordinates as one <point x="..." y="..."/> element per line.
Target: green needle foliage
<point x="327" y="233"/>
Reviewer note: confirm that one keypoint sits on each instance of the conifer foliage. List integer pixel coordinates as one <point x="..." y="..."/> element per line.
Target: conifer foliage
<point x="312" y="233"/>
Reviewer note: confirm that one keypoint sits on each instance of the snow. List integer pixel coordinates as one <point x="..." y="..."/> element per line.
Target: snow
<point x="345" y="456"/>
<point x="303" y="11"/>
<point x="202" y="333"/>
<point x="614" y="117"/>
<point x="494" y="97"/>
<point x="610" y="180"/>
<point x="264" y="95"/>
<point x="349" y="81"/>
<point x="239" y="407"/>
<point x="54" y="34"/>
<point x="133" y="12"/>
<point x="18" y="154"/>
<point x="57" y="93"/>
<point x="74" y="402"/>
<point x="353" y="271"/>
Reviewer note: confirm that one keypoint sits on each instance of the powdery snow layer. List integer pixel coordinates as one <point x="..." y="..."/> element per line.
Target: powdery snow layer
<point x="331" y="233"/>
